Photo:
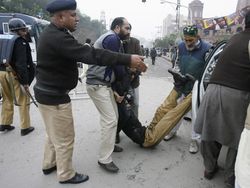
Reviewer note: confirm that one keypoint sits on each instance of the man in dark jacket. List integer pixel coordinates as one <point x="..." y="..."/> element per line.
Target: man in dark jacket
<point x="222" y="112"/>
<point x="99" y="82"/>
<point x="15" y="84"/>
<point x="57" y="74"/>
<point x="153" y="55"/>
<point x="131" y="46"/>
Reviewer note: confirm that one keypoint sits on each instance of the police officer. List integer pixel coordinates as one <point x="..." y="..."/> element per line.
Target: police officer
<point x="19" y="79"/>
<point x="58" y="53"/>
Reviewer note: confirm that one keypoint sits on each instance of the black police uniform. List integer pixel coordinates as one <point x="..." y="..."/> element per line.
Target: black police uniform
<point x="56" y="74"/>
<point x="22" y="64"/>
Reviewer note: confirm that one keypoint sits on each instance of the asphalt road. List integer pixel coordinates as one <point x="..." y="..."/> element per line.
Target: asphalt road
<point x="169" y="165"/>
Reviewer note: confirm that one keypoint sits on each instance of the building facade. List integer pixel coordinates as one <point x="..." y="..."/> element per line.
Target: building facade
<point x="242" y="4"/>
<point x="195" y="11"/>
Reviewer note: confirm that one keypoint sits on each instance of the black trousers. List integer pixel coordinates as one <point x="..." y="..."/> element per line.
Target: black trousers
<point x="130" y="124"/>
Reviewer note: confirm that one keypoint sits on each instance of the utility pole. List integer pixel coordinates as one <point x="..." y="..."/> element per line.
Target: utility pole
<point x="178" y="14"/>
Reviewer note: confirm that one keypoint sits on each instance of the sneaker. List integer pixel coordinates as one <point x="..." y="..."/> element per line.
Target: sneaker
<point x="193" y="147"/>
<point x="169" y="136"/>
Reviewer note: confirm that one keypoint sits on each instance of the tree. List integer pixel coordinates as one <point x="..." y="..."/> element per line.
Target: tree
<point x="30" y="7"/>
<point x="87" y="28"/>
<point x="167" y="41"/>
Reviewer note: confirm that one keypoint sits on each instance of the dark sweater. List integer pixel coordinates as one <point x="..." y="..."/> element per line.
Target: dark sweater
<point x="132" y="46"/>
<point x="22" y="61"/>
<point x="58" y="53"/>
<point x="233" y="67"/>
<point x="192" y="62"/>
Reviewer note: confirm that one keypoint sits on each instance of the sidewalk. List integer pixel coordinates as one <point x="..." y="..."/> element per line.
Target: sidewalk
<point x="169" y="165"/>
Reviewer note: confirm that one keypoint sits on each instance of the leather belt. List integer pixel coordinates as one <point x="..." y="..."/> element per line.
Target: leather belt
<point x="51" y="91"/>
<point x="2" y="67"/>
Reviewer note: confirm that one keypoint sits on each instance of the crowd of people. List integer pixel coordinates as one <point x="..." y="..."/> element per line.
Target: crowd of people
<point x="112" y="82"/>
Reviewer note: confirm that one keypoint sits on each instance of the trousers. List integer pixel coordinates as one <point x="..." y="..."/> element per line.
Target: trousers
<point x="242" y="164"/>
<point x="59" y="141"/>
<point x="7" y="104"/>
<point x="210" y="151"/>
<point x="166" y="118"/>
<point x="103" y="98"/>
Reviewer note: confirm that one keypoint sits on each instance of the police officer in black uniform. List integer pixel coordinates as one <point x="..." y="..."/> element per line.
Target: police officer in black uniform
<point x="56" y="74"/>
<point x="15" y="81"/>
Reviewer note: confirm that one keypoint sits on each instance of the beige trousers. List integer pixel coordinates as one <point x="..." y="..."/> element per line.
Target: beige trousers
<point x="104" y="100"/>
<point x="242" y="165"/>
<point x="59" y="142"/>
<point x="8" y="106"/>
<point x="166" y="117"/>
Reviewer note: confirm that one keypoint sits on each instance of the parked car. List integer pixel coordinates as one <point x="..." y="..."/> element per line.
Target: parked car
<point x="159" y="52"/>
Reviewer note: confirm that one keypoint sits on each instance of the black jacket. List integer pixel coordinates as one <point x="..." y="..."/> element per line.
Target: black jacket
<point x="22" y="61"/>
<point x="233" y="67"/>
<point x="57" y="56"/>
<point x="132" y="46"/>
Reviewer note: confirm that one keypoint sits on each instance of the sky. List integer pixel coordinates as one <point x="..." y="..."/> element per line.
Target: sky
<point x="146" y="18"/>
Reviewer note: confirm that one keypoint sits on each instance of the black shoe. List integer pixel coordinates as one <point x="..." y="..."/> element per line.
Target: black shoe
<point x="187" y="118"/>
<point x="117" y="149"/>
<point x="6" y="127"/>
<point x="78" y="178"/>
<point x="49" y="170"/>
<point x="110" y="167"/>
<point x="230" y="182"/>
<point x="138" y="135"/>
<point x="27" y="131"/>
<point x="117" y="138"/>
<point x="210" y="175"/>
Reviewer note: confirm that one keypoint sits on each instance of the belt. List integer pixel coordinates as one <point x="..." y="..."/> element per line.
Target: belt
<point x="2" y="67"/>
<point x="50" y="91"/>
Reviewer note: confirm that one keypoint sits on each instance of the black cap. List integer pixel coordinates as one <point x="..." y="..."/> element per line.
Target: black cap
<point x="59" y="5"/>
<point x="247" y="20"/>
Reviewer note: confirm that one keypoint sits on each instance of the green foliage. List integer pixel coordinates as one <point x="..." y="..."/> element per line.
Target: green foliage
<point x="166" y="42"/>
<point x="87" y="28"/>
<point x="30" y="7"/>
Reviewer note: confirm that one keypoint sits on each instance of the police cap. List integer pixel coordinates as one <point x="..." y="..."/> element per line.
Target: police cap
<point x="59" y="5"/>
